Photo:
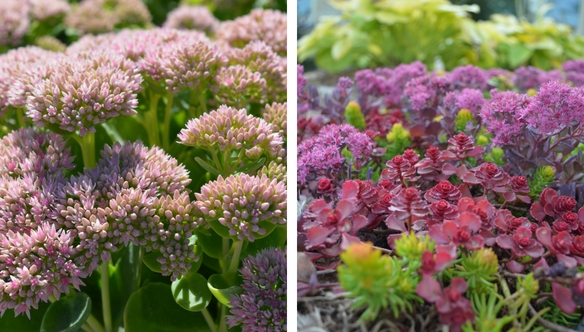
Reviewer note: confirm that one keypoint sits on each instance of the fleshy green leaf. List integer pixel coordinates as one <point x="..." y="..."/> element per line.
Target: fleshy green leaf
<point x="224" y="287"/>
<point x="207" y="167"/>
<point x="68" y="314"/>
<point x="152" y="308"/>
<point x="191" y="292"/>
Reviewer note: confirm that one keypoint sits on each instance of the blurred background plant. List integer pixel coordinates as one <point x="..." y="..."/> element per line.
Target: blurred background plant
<point x="52" y="24"/>
<point x="440" y="34"/>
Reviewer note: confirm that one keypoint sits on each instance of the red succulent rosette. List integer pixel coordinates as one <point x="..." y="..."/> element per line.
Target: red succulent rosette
<point x="491" y="177"/>
<point x="521" y="243"/>
<point x="325" y="186"/>
<point x="399" y="168"/>
<point x="411" y="156"/>
<point x="442" y="210"/>
<point x="408" y="202"/>
<point x="443" y="191"/>
<point x="506" y="222"/>
<point x="553" y="205"/>
<point x="462" y="231"/>
<point x="462" y="146"/>
<point x="519" y="190"/>
<point x="431" y="166"/>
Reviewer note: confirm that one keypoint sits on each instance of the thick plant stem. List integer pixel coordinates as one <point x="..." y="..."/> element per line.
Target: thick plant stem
<point x="166" y="128"/>
<point x="94" y="324"/>
<point x="235" y="259"/>
<point x="151" y="120"/>
<point x="209" y="320"/>
<point x="223" y="323"/>
<point x="105" y="297"/>
<point x="203" y="102"/>
<point x="87" y="144"/>
<point x="20" y="117"/>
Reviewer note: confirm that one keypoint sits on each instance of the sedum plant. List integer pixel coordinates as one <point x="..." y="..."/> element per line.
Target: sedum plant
<point x="119" y="209"/>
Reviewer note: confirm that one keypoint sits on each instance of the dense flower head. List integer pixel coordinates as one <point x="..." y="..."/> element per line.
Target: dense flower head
<point x="127" y="198"/>
<point x="99" y="16"/>
<point x="257" y="56"/>
<point x="426" y="91"/>
<point x="192" y="18"/>
<point x="268" y="26"/>
<point x="324" y="151"/>
<point x="532" y="78"/>
<point x="555" y="107"/>
<point x="502" y="115"/>
<point x="83" y="91"/>
<point x="274" y="170"/>
<point x="399" y="78"/>
<point x="469" y="76"/>
<point x="230" y="129"/>
<point x="244" y="206"/>
<point x="373" y="82"/>
<point x="35" y="265"/>
<point x="49" y="9"/>
<point x="27" y="152"/>
<point x="471" y="99"/>
<point x="14" y="22"/>
<point x="262" y="306"/>
<point x="574" y="71"/>
<point x="238" y="85"/>
<point x="188" y="64"/>
<point x="15" y="64"/>
<point x="276" y="115"/>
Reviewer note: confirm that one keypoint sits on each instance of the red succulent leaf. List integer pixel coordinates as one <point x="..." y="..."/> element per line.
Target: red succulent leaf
<point x="359" y="222"/>
<point x="560" y="226"/>
<point x="383" y="203"/>
<point x="429" y="289"/>
<point x="509" y="196"/>
<point x="537" y="212"/>
<point x="428" y="264"/>
<point x="547" y="195"/>
<point x="470" y="220"/>
<point x="318" y="205"/>
<point x="514" y="266"/>
<point x="577" y="245"/>
<point x="563" y="298"/>
<point x="444" y="190"/>
<point x="367" y="195"/>
<point x="448" y="169"/>
<point x="568" y="261"/>
<point x="581" y="214"/>
<point x="348" y="240"/>
<point x="317" y="235"/>
<point x="395" y="224"/>
<point x="350" y="189"/>
<point x="466" y="175"/>
<point x="557" y="244"/>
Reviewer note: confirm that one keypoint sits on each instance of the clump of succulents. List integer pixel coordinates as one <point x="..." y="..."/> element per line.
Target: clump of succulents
<point x="489" y="173"/>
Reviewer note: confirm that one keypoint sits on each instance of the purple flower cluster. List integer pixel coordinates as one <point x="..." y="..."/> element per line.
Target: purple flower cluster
<point x="469" y="77"/>
<point x="502" y="115"/>
<point x="323" y="152"/>
<point x="245" y="207"/>
<point x="471" y="99"/>
<point x="232" y="130"/>
<point x="14" y="21"/>
<point x="99" y="16"/>
<point x="262" y="306"/>
<point x="268" y="26"/>
<point x="192" y="18"/>
<point x="79" y="92"/>
<point x="555" y="107"/>
<point x="532" y="78"/>
<point x="55" y="230"/>
<point x="574" y="71"/>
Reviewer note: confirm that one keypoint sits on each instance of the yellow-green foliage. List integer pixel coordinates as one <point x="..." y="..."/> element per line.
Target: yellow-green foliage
<point x="374" y="33"/>
<point x="397" y="141"/>
<point x="411" y="247"/>
<point x="376" y="281"/>
<point x="462" y="118"/>
<point x="354" y="116"/>
<point x="543" y="177"/>
<point x="496" y="156"/>
<point x="479" y="269"/>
